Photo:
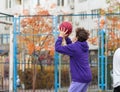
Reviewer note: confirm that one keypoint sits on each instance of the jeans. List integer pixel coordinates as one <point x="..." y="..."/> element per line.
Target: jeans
<point x="78" y="87"/>
<point x="117" y="89"/>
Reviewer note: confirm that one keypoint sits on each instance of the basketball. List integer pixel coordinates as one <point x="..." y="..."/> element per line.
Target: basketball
<point x="67" y="26"/>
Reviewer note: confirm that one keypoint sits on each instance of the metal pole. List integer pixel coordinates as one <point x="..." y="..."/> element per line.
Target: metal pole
<point x="102" y="60"/>
<point x="106" y="61"/>
<point x="6" y="14"/>
<point x="61" y="17"/>
<point x="60" y="64"/>
<point x="102" y="66"/>
<point x="15" y="54"/>
<point x="11" y="61"/>
<point x="99" y="53"/>
<point x="38" y="2"/>
<point x="56" y="56"/>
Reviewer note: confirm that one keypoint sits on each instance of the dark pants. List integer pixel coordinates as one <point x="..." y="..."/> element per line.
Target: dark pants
<point x="117" y="89"/>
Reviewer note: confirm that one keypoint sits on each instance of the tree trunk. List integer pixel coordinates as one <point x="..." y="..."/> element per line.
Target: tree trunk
<point x="34" y="75"/>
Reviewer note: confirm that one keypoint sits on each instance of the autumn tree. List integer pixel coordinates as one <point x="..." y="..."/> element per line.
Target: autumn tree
<point x="112" y="23"/>
<point x="36" y="36"/>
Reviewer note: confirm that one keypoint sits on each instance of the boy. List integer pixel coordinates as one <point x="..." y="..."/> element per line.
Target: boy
<point x="79" y="58"/>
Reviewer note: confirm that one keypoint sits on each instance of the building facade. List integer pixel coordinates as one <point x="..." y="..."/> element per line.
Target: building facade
<point x="81" y="7"/>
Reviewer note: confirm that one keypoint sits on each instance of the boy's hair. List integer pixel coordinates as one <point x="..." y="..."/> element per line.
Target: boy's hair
<point x="82" y="34"/>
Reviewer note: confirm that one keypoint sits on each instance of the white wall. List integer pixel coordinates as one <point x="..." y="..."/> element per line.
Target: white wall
<point x="89" y="5"/>
<point x="2" y="5"/>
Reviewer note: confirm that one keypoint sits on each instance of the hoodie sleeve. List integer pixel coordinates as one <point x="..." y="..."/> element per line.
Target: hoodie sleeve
<point x="68" y="40"/>
<point x="68" y="49"/>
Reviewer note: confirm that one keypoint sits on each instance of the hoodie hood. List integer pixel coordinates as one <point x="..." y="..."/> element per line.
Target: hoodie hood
<point x="84" y="46"/>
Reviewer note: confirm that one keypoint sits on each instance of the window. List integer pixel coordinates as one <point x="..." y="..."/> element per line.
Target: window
<point x="1" y="39"/>
<point x="107" y="1"/>
<point x="68" y="1"/>
<point x="20" y="2"/>
<point x="83" y="15"/>
<point x="9" y="3"/>
<point x="58" y="2"/>
<point x="6" y="4"/>
<point x="38" y="2"/>
<point x="80" y="1"/>
<point x="62" y="2"/>
<point x="94" y="13"/>
<point x="72" y="1"/>
<point x="60" y="19"/>
<point x="4" y="38"/>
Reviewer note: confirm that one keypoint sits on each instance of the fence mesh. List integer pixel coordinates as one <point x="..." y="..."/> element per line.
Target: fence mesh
<point x="5" y="24"/>
<point x="35" y="53"/>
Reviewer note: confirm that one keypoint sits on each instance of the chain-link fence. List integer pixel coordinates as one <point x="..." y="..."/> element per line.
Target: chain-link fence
<point x="37" y="67"/>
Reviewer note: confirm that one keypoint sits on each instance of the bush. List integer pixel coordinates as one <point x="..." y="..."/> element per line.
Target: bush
<point x="44" y="79"/>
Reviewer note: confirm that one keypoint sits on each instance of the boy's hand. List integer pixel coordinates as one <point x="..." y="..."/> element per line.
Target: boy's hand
<point x="63" y="33"/>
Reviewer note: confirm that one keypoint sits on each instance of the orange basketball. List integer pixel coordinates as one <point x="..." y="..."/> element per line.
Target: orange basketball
<point x="67" y="26"/>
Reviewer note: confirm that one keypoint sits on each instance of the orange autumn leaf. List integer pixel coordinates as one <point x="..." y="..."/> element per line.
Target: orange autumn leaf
<point x="114" y="19"/>
<point x="102" y="21"/>
<point x="26" y="12"/>
<point x="118" y="26"/>
<point x="53" y="5"/>
<point x="93" y="40"/>
<point x="31" y="48"/>
<point x="46" y="45"/>
<point x="37" y="48"/>
<point x="112" y="34"/>
<point x="102" y="11"/>
<point x="101" y="26"/>
<point x="52" y="52"/>
<point x="43" y="12"/>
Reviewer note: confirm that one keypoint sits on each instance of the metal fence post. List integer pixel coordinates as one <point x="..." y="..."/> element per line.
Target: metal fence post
<point x="11" y="60"/>
<point x="56" y="56"/>
<point x="16" y="29"/>
<point x="101" y="65"/>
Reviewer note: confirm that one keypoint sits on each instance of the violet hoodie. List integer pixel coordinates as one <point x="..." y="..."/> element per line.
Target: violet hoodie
<point x="79" y="59"/>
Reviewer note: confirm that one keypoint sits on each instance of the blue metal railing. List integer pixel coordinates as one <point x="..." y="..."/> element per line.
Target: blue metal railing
<point x="56" y="56"/>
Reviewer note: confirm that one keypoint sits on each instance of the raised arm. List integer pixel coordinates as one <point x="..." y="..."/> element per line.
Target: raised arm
<point x="68" y="40"/>
<point x="68" y="49"/>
